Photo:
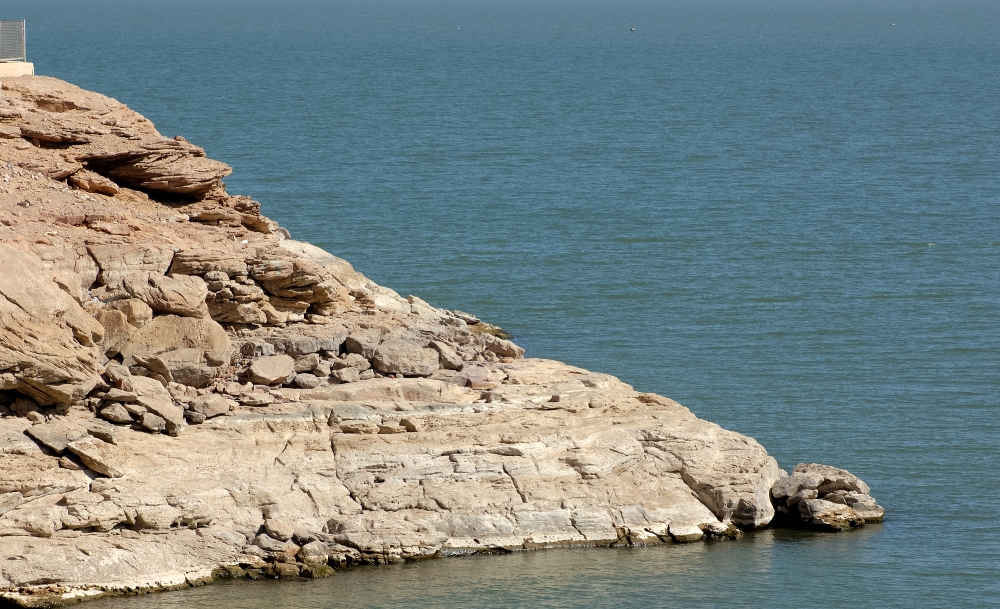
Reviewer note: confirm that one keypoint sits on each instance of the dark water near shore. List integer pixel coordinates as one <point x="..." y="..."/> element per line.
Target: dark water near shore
<point x="782" y="214"/>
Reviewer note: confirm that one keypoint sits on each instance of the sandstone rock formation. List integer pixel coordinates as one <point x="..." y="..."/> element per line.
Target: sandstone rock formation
<point x="186" y="393"/>
<point x="824" y="497"/>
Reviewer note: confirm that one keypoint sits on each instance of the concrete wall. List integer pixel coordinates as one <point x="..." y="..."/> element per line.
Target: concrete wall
<point x="16" y="68"/>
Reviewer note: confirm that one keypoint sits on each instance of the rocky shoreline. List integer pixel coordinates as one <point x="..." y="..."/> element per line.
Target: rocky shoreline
<point x="186" y="393"/>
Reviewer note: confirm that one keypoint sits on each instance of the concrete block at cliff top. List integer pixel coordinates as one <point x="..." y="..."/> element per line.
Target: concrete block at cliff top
<point x="271" y="370"/>
<point x="181" y="295"/>
<point x="406" y="357"/>
<point x="44" y="334"/>
<point x="170" y="333"/>
<point x="118" y="260"/>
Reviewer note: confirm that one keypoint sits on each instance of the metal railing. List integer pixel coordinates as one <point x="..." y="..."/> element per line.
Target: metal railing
<point x="12" y="41"/>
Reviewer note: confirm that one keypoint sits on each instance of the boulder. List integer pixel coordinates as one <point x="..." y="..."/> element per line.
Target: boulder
<point x="153" y="423"/>
<point x="298" y="345"/>
<point x="136" y="311"/>
<point x="401" y="356"/>
<point x="314" y="553"/>
<point x="88" y="181"/>
<point x="279" y="529"/>
<point x="448" y="359"/>
<point x="351" y="360"/>
<point x="57" y="434"/>
<point x="271" y="370"/>
<point x="121" y="259"/>
<point x="826" y="514"/>
<point x="156" y="400"/>
<point x="833" y="478"/>
<point x="115" y="413"/>
<point x="501" y="347"/>
<point x="363" y="343"/>
<point x="100" y="456"/>
<point x="191" y="367"/>
<point x="256" y="398"/>
<point x="825" y="497"/>
<point x="865" y="506"/>
<point x="170" y="332"/>
<point x="306" y="363"/>
<point x="119" y="376"/>
<point x="180" y="295"/>
<point x="685" y="533"/>
<point x="306" y="380"/>
<point x="117" y="330"/>
<point x="345" y="375"/>
<point x="212" y="405"/>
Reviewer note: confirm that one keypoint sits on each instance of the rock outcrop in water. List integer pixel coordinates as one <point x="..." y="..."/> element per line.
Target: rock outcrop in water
<point x="187" y="393"/>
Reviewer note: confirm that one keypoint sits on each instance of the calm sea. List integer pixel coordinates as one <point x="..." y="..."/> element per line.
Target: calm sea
<point x="785" y="215"/>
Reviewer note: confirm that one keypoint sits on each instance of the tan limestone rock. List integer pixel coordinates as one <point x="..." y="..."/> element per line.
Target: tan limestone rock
<point x="44" y="334"/>
<point x="201" y="261"/>
<point x="271" y="370"/>
<point x="137" y="312"/>
<point x="89" y="181"/>
<point x="406" y="357"/>
<point x="170" y="332"/>
<point x="118" y="260"/>
<point x="180" y="295"/>
<point x="117" y="330"/>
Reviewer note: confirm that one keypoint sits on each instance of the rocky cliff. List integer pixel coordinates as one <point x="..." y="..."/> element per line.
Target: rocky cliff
<point x="187" y="393"/>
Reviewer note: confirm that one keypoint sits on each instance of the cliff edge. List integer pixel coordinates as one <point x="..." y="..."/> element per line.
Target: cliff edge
<point x="187" y="393"/>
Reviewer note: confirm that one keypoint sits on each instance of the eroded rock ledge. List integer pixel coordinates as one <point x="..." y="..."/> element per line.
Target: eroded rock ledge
<point x="186" y="393"/>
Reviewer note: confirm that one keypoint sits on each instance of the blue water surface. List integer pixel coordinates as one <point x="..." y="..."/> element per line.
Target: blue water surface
<point x="782" y="214"/>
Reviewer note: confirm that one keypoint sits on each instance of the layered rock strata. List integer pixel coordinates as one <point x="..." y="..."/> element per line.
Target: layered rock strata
<point x="187" y="393"/>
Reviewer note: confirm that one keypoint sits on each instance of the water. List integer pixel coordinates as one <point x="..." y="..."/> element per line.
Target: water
<point x="782" y="214"/>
